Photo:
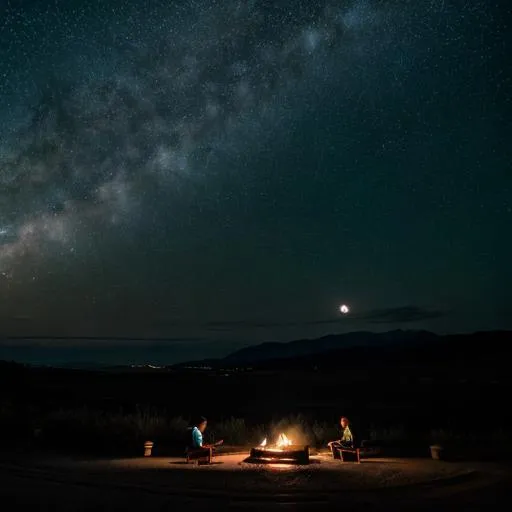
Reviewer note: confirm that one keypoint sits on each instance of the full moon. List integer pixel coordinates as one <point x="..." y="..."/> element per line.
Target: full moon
<point x="344" y="309"/>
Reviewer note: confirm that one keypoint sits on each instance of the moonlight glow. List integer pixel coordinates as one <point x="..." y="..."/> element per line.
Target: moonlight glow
<point x="344" y="309"/>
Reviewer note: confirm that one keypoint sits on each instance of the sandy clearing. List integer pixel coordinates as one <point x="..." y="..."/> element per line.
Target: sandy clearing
<point x="230" y="473"/>
<point x="161" y="483"/>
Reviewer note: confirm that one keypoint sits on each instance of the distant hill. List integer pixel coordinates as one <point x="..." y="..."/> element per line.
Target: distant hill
<point x="479" y="350"/>
<point x="305" y="347"/>
<point x="393" y="346"/>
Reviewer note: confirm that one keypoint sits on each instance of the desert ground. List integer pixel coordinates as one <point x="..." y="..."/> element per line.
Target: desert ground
<point x="48" y="482"/>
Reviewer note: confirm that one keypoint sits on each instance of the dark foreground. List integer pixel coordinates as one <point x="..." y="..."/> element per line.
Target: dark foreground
<point x="162" y="484"/>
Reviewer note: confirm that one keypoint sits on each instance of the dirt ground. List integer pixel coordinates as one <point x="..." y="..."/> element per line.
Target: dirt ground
<point x="45" y="482"/>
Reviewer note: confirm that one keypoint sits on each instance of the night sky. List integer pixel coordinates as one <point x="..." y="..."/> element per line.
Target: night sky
<point x="219" y="172"/>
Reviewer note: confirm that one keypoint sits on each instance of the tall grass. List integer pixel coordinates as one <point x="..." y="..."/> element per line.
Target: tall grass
<point x="297" y="428"/>
<point x="388" y="433"/>
<point x="88" y="430"/>
<point x="487" y="436"/>
<point x="98" y="431"/>
<point x="112" y="432"/>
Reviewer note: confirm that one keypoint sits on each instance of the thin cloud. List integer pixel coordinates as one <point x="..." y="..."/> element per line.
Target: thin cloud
<point x="375" y="316"/>
<point x="402" y="314"/>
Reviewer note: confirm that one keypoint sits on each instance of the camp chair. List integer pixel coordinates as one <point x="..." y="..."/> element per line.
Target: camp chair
<point x="355" y="451"/>
<point x="199" y="455"/>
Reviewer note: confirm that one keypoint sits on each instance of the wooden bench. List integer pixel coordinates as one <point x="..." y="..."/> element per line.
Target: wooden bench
<point x="200" y="455"/>
<point x="355" y="451"/>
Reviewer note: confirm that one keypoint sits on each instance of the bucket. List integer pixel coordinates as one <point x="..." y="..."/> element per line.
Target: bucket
<point x="436" y="451"/>
<point x="148" y="446"/>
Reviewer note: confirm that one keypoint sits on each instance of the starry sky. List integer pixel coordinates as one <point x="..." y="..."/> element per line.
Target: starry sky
<point x="223" y="171"/>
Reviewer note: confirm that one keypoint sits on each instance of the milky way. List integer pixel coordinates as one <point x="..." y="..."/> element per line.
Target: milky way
<point x="122" y="123"/>
<point x="172" y="108"/>
<point x="167" y="113"/>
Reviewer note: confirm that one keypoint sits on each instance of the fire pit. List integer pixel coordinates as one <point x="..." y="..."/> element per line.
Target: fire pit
<point x="282" y="452"/>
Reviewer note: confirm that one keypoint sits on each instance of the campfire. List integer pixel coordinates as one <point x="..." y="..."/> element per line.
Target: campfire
<point x="283" y="451"/>
<point x="281" y="442"/>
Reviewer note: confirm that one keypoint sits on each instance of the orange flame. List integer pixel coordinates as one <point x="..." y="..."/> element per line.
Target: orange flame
<point x="282" y="441"/>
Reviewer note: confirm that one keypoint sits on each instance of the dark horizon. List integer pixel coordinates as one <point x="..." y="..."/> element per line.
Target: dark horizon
<point x="50" y="351"/>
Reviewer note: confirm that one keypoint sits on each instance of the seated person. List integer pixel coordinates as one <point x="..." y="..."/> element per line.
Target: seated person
<point x="346" y="441"/>
<point x="196" y="444"/>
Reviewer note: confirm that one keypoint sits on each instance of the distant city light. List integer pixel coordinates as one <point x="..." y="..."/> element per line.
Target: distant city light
<point x="344" y="309"/>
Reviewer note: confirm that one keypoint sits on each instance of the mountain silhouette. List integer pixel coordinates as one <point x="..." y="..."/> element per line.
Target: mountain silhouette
<point x="305" y="347"/>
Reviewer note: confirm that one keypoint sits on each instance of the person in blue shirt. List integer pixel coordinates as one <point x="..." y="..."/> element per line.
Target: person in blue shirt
<point x="197" y="433"/>
<point x="196" y="440"/>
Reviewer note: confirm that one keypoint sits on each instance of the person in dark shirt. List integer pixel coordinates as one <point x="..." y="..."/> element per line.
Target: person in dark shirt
<point x="346" y="441"/>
